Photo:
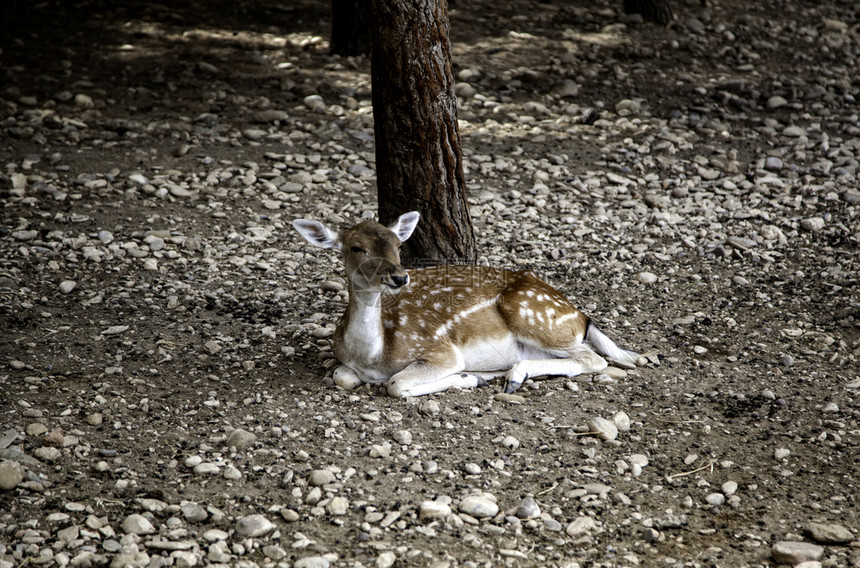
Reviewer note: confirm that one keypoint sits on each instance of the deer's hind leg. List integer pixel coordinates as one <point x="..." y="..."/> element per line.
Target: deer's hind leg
<point x="581" y="360"/>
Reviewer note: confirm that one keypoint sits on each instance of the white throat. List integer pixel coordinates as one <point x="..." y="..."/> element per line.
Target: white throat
<point x="363" y="336"/>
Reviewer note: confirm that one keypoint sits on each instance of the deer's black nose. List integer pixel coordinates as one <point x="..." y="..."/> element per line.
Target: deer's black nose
<point x="400" y="280"/>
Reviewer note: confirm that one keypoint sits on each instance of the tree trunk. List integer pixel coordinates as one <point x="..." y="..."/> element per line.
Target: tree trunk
<point x="419" y="164"/>
<point x="657" y="11"/>
<point x="350" y="31"/>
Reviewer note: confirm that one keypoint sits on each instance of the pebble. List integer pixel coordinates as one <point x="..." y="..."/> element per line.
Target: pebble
<point x="603" y="428"/>
<point x="193" y="512"/>
<point x="479" y="506"/>
<point x="781" y="453"/>
<point x="715" y="499"/>
<point x="472" y="468"/>
<point x="790" y="552"/>
<point x="137" y="524"/>
<point x="776" y="101"/>
<point x="621" y="421"/>
<point x="646" y="277"/>
<point x="241" y="439"/>
<point x="812" y="224"/>
<point x="580" y="526"/>
<point x="232" y="473"/>
<point x="206" y="468"/>
<point x="321" y="477"/>
<point x="528" y="509"/>
<point x="773" y="163"/>
<point x="729" y="488"/>
<point x="67" y="286"/>
<point x="312" y="562"/>
<point x="253" y="526"/>
<point x="829" y="533"/>
<point x="386" y="559"/>
<point x="510" y="443"/>
<point x="11" y="474"/>
<point x="434" y="510"/>
<point x="338" y="506"/>
<point x="403" y="437"/>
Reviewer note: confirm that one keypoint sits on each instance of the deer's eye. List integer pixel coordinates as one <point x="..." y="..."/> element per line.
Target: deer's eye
<point x="358" y="249"/>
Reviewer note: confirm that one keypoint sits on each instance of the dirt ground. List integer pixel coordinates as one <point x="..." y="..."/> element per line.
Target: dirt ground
<point x="155" y="300"/>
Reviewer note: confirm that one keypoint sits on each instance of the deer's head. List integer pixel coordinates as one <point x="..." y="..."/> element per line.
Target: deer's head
<point x="371" y="251"/>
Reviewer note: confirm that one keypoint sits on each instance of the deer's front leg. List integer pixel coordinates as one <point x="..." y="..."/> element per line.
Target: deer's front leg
<point x="346" y="378"/>
<point x="435" y="372"/>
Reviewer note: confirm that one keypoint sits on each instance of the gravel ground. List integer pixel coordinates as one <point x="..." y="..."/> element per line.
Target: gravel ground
<point x="165" y="357"/>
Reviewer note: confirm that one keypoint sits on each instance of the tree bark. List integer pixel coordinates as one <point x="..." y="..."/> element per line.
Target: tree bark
<point x="657" y="11"/>
<point x="350" y="31"/>
<point x="419" y="163"/>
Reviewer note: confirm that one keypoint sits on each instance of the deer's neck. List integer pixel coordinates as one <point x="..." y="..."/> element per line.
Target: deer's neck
<point x="363" y="334"/>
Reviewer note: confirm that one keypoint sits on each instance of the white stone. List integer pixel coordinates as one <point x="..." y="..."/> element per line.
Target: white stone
<point x="605" y="429"/>
<point x="790" y="552"/>
<point x="479" y="506"/>
<point x="137" y="524"/>
<point x="254" y="526"/>
<point x="433" y="510"/>
<point x="580" y="526"/>
<point x="646" y="277"/>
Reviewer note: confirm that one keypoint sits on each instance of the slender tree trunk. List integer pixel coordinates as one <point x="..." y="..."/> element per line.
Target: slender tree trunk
<point x="350" y="31"/>
<point x="419" y="164"/>
<point x="658" y="11"/>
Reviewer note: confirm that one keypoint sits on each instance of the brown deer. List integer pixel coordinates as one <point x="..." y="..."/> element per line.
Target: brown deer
<point x="431" y="329"/>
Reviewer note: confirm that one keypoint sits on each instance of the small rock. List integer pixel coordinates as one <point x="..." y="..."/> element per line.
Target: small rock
<point x="580" y="526"/>
<point x="776" y="101"/>
<point x="386" y="559"/>
<point x="47" y="453"/>
<point x="137" y="524"/>
<point x="403" y="437"/>
<point x="193" y="512"/>
<point x="829" y="533"/>
<point x="528" y="509"/>
<point x="781" y="453"/>
<point x="646" y="277"/>
<point x="11" y="474"/>
<point x="184" y="558"/>
<point x="729" y="488"/>
<point x="67" y="286"/>
<point x="789" y="552"/>
<point x="472" y="468"/>
<point x="254" y="526"/>
<point x="338" y="506"/>
<point x="715" y="499"/>
<point x="312" y="562"/>
<point x="621" y="421"/>
<point x="812" y="224"/>
<point x="773" y="163"/>
<point x="433" y="510"/>
<point x="232" y="473"/>
<point x="510" y="398"/>
<point x="241" y="439"/>
<point x="605" y="429"/>
<point x="321" y="477"/>
<point x="381" y="451"/>
<point x="431" y="407"/>
<point x="794" y="131"/>
<point x="510" y="443"/>
<point x="479" y="506"/>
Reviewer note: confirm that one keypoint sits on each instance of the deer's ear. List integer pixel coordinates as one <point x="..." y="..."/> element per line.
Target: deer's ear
<point x="405" y="224"/>
<point x="317" y="234"/>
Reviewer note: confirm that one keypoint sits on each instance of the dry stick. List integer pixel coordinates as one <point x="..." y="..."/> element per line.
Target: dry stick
<point x="683" y="473"/>
<point x="545" y="491"/>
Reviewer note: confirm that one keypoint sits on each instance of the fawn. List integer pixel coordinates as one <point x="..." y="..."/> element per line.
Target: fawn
<point x="431" y="329"/>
